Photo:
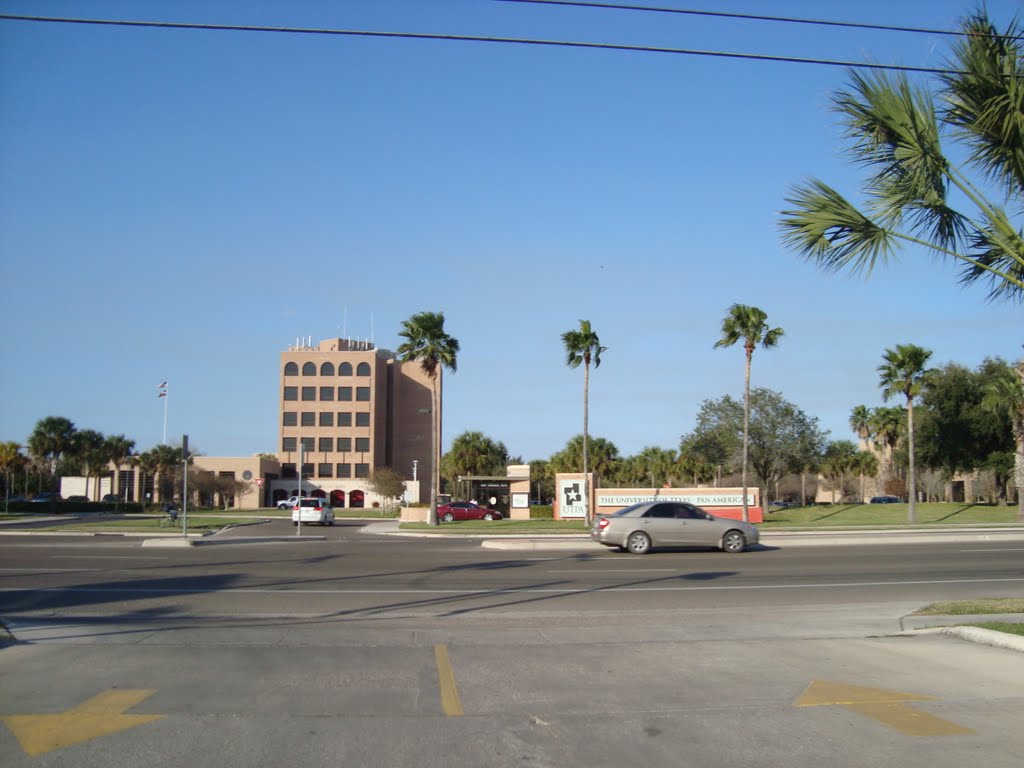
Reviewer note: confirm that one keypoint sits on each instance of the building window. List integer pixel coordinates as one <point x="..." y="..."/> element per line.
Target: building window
<point x="324" y="470"/>
<point x="327" y="369"/>
<point x="289" y="419"/>
<point x="344" y="444"/>
<point x="308" y="443"/>
<point x="309" y="369"/>
<point x="345" y="393"/>
<point x="327" y="393"/>
<point x="362" y="470"/>
<point x="363" y="394"/>
<point x="362" y="444"/>
<point x="288" y="446"/>
<point x="291" y="369"/>
<point x="344" y="470"/>
<point x="344" y="419"/>
<point x="307" y="470"/>
<point x="326" y="443"/>
<point x="291" y="393"/>
<point x="327" y="418"/>
<point x="363" y="419"/>
<point x="287" y="470"/>
<point x="309" y="393"/>
<point x="345" y="369"/>
<point x="363" y="369"/>
<point x="309" y="419"/>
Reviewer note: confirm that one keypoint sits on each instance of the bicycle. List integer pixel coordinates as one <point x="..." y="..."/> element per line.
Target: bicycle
<point x="169" y="519"/>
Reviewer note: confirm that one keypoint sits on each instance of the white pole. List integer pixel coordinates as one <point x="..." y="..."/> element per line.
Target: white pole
<point x="298" y="528"/>
<point x="165" y="415"/>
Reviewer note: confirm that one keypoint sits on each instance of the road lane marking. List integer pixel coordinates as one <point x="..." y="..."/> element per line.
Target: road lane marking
<point x="101" y="715"/>
<point x="995" y="549"/>
<point x="496" y="590"/>
<point x="107" y="557"/>
<point x="450" y="702"/>
<point x="618" y="570"/>
<point x="886" y="707"/>
<point x="52" y="569"/>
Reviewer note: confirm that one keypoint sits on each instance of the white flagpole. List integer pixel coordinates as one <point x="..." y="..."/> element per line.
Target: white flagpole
<point x="165" y="415"/>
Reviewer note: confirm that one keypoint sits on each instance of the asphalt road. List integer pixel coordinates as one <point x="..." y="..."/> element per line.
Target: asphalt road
<point x="373" y="650"/>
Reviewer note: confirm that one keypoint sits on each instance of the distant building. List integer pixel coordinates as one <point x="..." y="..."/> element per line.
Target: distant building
<point x="351" y="408"/>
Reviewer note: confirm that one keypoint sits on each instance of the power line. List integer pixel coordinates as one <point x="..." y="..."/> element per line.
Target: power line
<point x="476" y="39"/>
<point x="744" y="16"/>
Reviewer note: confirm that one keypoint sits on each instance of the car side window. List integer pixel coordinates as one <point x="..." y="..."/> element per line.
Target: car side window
<point x="661" y="510"/>
<point x="693" y="513"/>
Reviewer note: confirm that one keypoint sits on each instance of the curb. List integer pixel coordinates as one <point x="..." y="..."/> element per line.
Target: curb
<point x="169" y="543"/>
<point x="978" y="635"/>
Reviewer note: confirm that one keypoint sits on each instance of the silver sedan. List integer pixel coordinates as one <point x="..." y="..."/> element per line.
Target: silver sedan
<point x="671" y="524"/>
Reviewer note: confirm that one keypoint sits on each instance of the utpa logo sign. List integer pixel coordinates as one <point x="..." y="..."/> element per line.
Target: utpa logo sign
<point x="570" y="494"/>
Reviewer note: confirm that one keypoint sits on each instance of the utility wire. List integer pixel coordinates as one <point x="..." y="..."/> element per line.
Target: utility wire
<point x="476" y="39"/>
<point x="744" y="16"/>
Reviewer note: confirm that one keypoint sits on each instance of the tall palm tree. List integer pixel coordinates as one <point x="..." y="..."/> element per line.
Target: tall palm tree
<point x="583" y="346"/>
<point x="749" y="325"/>
<point x="1005" y="394"/>
<point x="427" y="343"/>
<point x="11" y="460"/>
<point x="90" y="451"/>
<point x="902" y="372"/>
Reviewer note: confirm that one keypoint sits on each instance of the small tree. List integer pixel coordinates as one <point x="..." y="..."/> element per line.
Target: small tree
<point x="388" y="484"/>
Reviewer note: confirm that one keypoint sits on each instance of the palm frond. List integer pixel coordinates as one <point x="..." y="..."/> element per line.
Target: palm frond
<point x="826" y="228"/>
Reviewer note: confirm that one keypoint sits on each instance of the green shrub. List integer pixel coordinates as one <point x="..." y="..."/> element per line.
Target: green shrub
<point x="538" y="512"/>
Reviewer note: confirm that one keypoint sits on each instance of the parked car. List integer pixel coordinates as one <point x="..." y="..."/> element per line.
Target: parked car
<point x="288" y="503"/>
<point x="312" y="510"/>
<point x="110" y="498"/>
<point x="47" y="497"/>
<point x="77" y="498"/>
<point x="465" y="510"/>
<point x="641" y="527"/>
<point x="885" y="500"/>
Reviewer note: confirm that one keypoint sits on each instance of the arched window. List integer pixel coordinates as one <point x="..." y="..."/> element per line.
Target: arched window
<point x="363" y="369"/>
<point x="309" y="369"/>
<point x="327" y="369"/>
<point x="345" y="369"/>
<point x="337" y="498"/>
<point x="291" y="369"/>
<point x="356" y="499"/>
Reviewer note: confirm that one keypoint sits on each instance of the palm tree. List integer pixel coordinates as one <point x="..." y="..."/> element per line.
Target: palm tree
<point x="583" y="346"/>
<point x="897" y="130"/>
<point x="902" y="373"/>
<point x="749" y="324"/>
<point x="1005" y="394"/>
<point x="90" y="451"/>
<point x="11" y="460"/>
<point x="51" y="439"/>
<point x="118" y="449"/>
<point x="148" y="467"/>
<point x="860" y="423"/>
<point x="427" y="343"/>
<point x="866" y="465"/>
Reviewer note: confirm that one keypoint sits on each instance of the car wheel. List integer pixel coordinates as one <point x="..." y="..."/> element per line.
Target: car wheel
<point x="734" y="542"/>
<point x="488" y="516"/>
<point x="638" y="543"/>
<point x="447" y="517"/>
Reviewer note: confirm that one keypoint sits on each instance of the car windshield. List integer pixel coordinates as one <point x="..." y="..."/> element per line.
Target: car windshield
<point x="628" y="510"/>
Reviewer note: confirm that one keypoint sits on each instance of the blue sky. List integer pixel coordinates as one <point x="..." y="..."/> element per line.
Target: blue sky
<point x="183" y="205"/>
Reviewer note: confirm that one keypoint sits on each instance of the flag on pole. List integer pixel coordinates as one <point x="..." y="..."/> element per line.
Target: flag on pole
<point x="161" y="386"/>
<point x="162" y="394"/>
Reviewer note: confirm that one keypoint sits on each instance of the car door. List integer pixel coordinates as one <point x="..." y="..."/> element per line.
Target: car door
<point x="696" y="528"/>
<point x="659" y="522"/>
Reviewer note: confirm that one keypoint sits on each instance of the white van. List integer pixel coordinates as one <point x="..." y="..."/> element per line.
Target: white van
<point x="312" y="510"/>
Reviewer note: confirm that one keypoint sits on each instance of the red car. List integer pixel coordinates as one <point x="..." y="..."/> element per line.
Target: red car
<point x="465" y="510"/>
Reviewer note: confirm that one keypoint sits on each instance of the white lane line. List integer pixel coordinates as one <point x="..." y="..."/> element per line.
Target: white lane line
<point x="53" y="569"/>
<point x="106" y="557"/>
<point x="995" y="549"/>
<point x="618" y="571"/>
<point x="497" y="591"/>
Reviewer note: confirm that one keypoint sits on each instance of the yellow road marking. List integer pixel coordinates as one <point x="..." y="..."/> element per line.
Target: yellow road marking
<point x="99" y="716"/>
<point x="887" y="707"/>
<point x="450" y="702"/>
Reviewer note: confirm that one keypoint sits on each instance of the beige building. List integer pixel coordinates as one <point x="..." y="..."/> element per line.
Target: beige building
<point x="347" y="408"/>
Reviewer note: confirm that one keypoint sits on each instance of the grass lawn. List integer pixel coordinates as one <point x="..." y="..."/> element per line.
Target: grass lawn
<point x="501" y="527"/>
<point x="197" y="523"/>
<point x="981" y="606"/>
<point x="930" y="514"/>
